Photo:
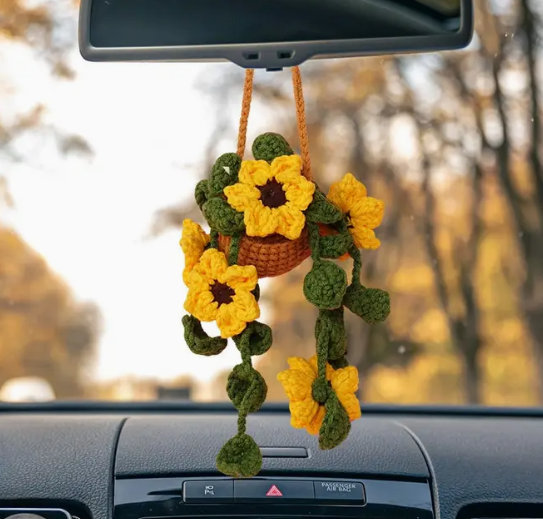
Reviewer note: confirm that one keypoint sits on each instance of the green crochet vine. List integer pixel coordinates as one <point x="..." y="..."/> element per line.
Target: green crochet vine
<point x="326" y="286"/>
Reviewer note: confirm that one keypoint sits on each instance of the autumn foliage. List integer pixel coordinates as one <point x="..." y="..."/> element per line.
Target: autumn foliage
<point x="451" y="142"/>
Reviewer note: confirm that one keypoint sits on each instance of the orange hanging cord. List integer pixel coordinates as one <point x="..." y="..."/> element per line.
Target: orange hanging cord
<point x="245" y="111"/>
<point x="300" y="116"/>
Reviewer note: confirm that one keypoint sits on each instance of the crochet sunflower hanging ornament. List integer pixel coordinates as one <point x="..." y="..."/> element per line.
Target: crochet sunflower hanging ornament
<point x="266" y="217"/>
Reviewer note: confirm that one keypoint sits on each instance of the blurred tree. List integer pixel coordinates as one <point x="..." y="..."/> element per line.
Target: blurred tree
<point x="48" y="28"/>
<point x="451" y="142"/>
<point x="43" y="331"/>
<point x="42" y="26"/>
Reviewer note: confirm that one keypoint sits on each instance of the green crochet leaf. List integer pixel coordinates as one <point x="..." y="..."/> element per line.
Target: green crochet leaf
<point x="322" y="210"/>
<point x="334" y="246"/>
<point x="340" y="363"/>
<point x="371" y="304"/>
<point x="330" y="330"/>
<point x="224" y="173"/>
<point x="321" y="390"/>
<point x="198" y="341"/>
<point x="269" y="146"/>
<point x="257" y="337"/>
<point x="240" y="457"/>
<point x="256" y="293"/>
<point x="246" y="388"/>
<point x="222" y="218"/>
<point x="336" y="424"/>
<point x="325" y="285"/>
<point x="201" y="193"/>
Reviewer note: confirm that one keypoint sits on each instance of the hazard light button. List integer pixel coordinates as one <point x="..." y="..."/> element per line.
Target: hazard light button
<point x="273" y="491"/>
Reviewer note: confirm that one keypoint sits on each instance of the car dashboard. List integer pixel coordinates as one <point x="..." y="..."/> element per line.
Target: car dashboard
<point x="104" y="461"/>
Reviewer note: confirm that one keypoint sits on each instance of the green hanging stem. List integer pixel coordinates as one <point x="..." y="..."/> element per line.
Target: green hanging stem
<point x="245" y="351"/>
<point x="321" y="388"/>
<point x="353" y="250"/>
<point x="370" y="304"/>
<point x="357" y="264"/>
<point x="322" y="356"/>
<point x="214" y="242"/>
<point x="241" y="456"/>
<point x="314" y="242"/>
<point x="233" y="251"/>
<point x="242" y="422"/>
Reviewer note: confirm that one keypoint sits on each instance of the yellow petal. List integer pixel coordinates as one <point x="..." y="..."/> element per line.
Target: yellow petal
<point x="364" y="238"/>
<point x="291" y="164"/>
<point x="300" y="193"/>
<point x="201" y="304"/>
<point x="240" y="277"/>
<point x="351" y="405"/>
<point x="315" y="425"/>
<point x="304" y="411"/>
<point x="329" y="370"/>
<point x="244" y="306"/>
<point x="228" y="322"/>
<point x="296" y="383"/>
<point x="212" y="265"/>
<point x="368" y="212"/>
<point x="241" y="196"/>
<point x="305" y="366"/>
<point x="260" y="220"/>
<point x="193" y="242"/>
<point x="197" y="282"/>
<point x="187" y="270"/>
<point x="290" y="221"/>
<point x="346" y="192"/>
<point x="296" y="423"/>
<point x="287" y="168"/>
<point x="345" y="380"/>
<point x="193" y="232"/>
<point x="255" y="172"/>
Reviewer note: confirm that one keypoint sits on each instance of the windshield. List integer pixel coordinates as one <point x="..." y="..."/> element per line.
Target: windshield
<point x="98" y="166"/>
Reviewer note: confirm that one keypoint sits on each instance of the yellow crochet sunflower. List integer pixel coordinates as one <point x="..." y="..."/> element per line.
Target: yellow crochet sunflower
<point x="221" y="293"/>
<point x="298" y="380"/>
<point x="272" y="196"/>
<point x="365" y="213"/>
<point x="193" y="242"/>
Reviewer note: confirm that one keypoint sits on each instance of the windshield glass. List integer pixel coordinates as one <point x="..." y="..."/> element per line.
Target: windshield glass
<point x="98" y="166"/>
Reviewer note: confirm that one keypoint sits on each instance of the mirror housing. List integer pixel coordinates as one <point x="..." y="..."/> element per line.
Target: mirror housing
<point x="296" y="31"/>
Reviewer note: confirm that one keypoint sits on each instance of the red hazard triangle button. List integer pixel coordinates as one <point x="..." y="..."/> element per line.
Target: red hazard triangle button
<point x="274" y="492"/>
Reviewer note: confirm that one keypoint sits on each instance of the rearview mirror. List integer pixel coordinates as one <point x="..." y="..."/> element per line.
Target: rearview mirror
<point x="269" y="33"/>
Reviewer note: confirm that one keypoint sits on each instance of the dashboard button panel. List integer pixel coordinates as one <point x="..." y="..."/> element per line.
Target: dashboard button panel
<point x="281" y="497"/>
<point x="273" y="490"/>
<point x="208" y="491"/>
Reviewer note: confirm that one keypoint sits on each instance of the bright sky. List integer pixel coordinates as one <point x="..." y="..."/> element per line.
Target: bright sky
<point x="148" y="126"/>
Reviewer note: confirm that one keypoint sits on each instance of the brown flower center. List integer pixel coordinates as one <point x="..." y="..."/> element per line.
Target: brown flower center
<point x="222" y="293"/>
<point x="272" y="194"/>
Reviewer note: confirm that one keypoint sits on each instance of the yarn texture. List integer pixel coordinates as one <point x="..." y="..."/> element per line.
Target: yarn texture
<point x="266" y="217"/>
<point x="272" y="197"/>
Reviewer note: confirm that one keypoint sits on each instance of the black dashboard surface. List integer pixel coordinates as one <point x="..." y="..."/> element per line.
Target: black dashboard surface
<point x="71" y="459"/>
<point x="158" y="445"/>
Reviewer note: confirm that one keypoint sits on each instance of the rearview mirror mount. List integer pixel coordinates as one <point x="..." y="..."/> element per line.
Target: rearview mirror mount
<point x="269" y="34"/>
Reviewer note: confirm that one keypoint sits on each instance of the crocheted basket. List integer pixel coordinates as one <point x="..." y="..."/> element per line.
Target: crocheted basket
<point x="273" y="255"/>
